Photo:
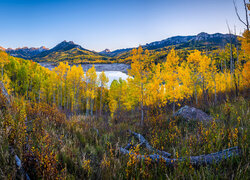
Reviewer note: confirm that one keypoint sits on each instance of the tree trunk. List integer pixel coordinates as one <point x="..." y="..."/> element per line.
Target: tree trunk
<point x="67" y="102"/>
<point x="58" y="95"/>
<point x="173" y="107"/>
<point x="196" y="98"/>
<point x="238" y="82"/>
<point x="194" y="160"/>
<point x="225" y="62"/>
<point x="231" y="58"/>
<point x="201" y="160"/>
<point x="2" y="72"/>
<point x="203" y="90"/>
<point x="91" y="108"/>
<point x="215" y="96"/>
<point x="87" y="101"/>
<point x="54" y="99"/>
<point x="101" y="102"/>
<point x="39" y="95"/>
<point x="61" y="96"/>
<point x="142" y="112"/>
<point x="87" y="106"/>
<point x="221" y="65"/>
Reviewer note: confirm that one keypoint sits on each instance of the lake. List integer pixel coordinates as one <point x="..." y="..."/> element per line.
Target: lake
<point x="113" y="71"/>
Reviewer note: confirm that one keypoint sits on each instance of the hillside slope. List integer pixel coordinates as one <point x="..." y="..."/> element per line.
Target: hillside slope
<point x="71" y="52"/>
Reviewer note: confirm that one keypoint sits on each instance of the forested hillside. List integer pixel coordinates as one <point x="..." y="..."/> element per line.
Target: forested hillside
<point x="62" y="52"/>
<point x="66" y="123"/>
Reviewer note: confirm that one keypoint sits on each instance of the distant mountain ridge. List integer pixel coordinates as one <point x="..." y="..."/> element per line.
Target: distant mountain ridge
<point x="69" y="51"/>
<point x="200" y="40"/>
<point x="25" y="52"/>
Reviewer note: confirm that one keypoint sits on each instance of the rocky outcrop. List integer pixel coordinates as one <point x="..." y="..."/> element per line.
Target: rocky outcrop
<point x="190" y="113"/>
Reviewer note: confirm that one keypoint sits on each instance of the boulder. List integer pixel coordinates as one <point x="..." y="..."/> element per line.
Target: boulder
<point x="190" y="113"/>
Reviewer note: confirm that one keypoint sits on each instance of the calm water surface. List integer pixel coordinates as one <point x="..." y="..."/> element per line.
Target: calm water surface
<point x="112" y="71"/>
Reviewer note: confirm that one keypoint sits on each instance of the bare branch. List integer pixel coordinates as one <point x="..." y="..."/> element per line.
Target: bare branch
<point x="236" y="11"/>
<point x="246" y="12"/>
<point x="230" y="33"/>
<point x="231" y="52"/>
<point x="247" y="21"/>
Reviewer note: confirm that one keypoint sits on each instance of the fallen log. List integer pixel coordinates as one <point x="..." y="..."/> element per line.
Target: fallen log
<point x="143" y="141"/>
<point x="194" y="160"/>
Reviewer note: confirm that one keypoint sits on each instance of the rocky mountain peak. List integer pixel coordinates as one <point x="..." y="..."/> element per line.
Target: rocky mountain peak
<point x="105" y="51"/>
<point x="202" y="36"/>
<point x="66" y="44"/>
<point x="43" y="47"/>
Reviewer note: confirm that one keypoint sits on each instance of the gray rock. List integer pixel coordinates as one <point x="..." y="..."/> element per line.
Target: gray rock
<point x="4" y="93"/>
<point x="191" y="113"/>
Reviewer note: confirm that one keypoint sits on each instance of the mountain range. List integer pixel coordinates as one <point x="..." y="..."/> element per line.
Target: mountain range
<point x="74" y="53"/>
<point x="200" y="41"/>
<point x="25" y="52"/>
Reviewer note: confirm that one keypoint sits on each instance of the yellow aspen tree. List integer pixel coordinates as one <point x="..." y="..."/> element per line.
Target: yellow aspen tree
<point x="155" y="88"/>
<point x="114" y="97"/>
<point x="75" y="78"/>
<point x="140" y="71"/>
<point x="227" y="82"/>
<point x="246" y="74"/>
<point x="103" y="84"/>
<point x="245" y="46"/>
<point x="7" y="83"/>
<point x="80" y="76"/>
<point x="170" y="78"/>
<point x="117" y="96"/>
<point x="211" y="78"/>
<point x="4" y="59"/>
<point x="193" y="61"/>
<point x="129" y="94"/>
<point x="52" y="85"/>
<point x="44" y="88"/>
<point x="61" y="71"/>
<point x="184" y="76"/>
<point x="245" y="42"/>
<point x="91" y="86"/>
<point x="204" y="69"/>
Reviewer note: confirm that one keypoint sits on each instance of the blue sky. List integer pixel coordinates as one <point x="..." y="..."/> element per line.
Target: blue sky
<point x="113" y="24"/>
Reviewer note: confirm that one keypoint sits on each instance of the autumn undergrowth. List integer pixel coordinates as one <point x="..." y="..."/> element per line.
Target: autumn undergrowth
<point x="88" y="147"/>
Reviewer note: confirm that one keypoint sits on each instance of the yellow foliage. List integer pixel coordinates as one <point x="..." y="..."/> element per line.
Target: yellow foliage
<point x="246" y="74"/>
<point x="245" y="42"/>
